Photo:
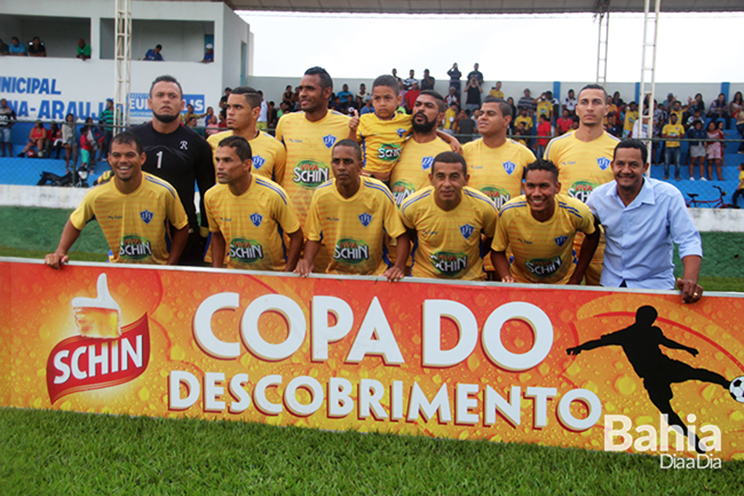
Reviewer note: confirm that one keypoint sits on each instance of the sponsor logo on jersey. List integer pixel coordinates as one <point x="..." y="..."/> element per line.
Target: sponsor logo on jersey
<point x="245" y="250"/>
<point x="401" y="132"/>
<point x="329" y="140"/>
<point x="466" y="230"/>
<point x="427" y="162"/>
<point x="310" y="174"/>
<point x="388" y="152"/>
<point x="258" y="161"/>
<point x="365" y="219"/>
<point x="544" y="267"/>
<point x="603" y="162"/>
<point x="509" y="167"/>
<point x="498" y="196"/>
<point x="256" y="218"/>
<point x="184" y="145"/>
<point x="581" y="190"/>
<point x="351" y="251"/>
<point x="134" y="247"/>
<point x="449" y="264"/>
<point x="401" y="191"/>
<point x="146" y="216"/>
<point x="560" y="240"/>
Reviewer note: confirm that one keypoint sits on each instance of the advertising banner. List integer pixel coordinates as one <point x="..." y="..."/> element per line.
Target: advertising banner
<point x="575" y="367"/>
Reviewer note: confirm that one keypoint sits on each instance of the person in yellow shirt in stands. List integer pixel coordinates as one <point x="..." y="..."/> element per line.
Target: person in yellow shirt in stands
<point x="740" y="189"/>
<point x="448" y="220"/>
<point x="670" y="131"/>
<point x="268" y="154"/>
<point x="631" y="116"/>
<point x="247" y="214"/>
<point x="539" y="229"/>
<point x="351" y="214"/>
<point x="496" y="91"/>
<point x="450" y="119"/>
<point x="524" y="118"/>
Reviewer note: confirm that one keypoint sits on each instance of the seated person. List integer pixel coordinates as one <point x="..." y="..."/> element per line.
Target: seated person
<point x="36" y="139"/>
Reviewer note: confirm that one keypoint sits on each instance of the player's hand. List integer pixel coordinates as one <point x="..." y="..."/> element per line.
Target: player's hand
<point x="354" y="121"/>
<point x="691" y="291"/>
<point x="509" y="278"/>
<point x="56" y="260"/>
<point x="456" y="146"/>
<point x="573" y="351"/>
<point x="394" y="274"/>
<point x="304" y="268"/>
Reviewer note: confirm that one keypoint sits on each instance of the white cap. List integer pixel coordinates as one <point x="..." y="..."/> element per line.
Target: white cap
<point x="209" y="46"/>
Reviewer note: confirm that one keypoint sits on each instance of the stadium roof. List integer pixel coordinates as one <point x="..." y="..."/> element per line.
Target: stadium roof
<point x="480" y="6"/>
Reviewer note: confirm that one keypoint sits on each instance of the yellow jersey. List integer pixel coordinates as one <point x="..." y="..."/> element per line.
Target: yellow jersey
<point x="252" y="224"/>
<point x="353" y="229"/>
<point x="411" y="173"/>
<point x="528" y="122"/>
<point x="679" y="113"/>
<point x="741" y="180"/>
<point x="309" y="148"/>
<point x="496" y="93"/>
<point x="673" y="131"/>
<point x="542" y="252"/>
<point x="268" y="154"/>
<point x="382" y="141"/>
<point x="630" y="117"/>
<point x="448" y="244"/>
<point x="544" y="107"/>
<point x="582" y="166"/>
<point x="450" y="119"/>
<point x="136" y="224"/>
<point x="497" y="172"/>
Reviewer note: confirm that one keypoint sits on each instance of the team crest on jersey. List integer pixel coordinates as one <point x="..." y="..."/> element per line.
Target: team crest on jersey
<point x="427" y="162"/>
<point x="365" y="219"/>
<point x="329" y="140"/>
<point x="146" y="216"/>
<point x="603" y="162"/>
<point x="184" y="145"/>
<point x="256" y="219"/>
<point x="258" y="161"/>
<point x="401" y="132"/>
<point x="509" y="167"/>
<point x="560" y="240"/>
<point x="466" y="230"/>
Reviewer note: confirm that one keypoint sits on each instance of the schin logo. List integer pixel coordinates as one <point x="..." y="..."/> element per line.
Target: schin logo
<point x="329" y="140"/>
<point x="146" y="216"/>
<point x="466" y="230"/>
<point x="256" y="219"/>
<point x="365" y="219"/>
<point x="401" y="132"/>
<point x="258" y="161"/>
<point x="560" y="240"/>
<point x="184" y="145"/>
<point x="603" y="162"/>
<point x="509" y="167"/>
<point x="427" y="162"/>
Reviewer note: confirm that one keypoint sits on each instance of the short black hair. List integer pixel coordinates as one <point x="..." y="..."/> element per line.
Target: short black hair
<point x="542" y="165"/>
<point x="128" y="138"/>
<point x="166" y="79"/>
<point x="436" y="96"/>
<point x="388" y="81"/>
<point x="240" y="145"/>
<point x="251" y="95"/>
<point x="595" y="86"/>
<point x="505" y="108"/>
<point x="159" y="46"/>
<point x="450" y="158"/>
<point x="632" y="143"/>
<point x="349" y="143"/>
<point x="325" y="78"/>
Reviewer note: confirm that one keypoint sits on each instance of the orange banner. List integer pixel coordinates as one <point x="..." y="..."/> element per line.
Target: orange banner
<point x="586" y="368"/>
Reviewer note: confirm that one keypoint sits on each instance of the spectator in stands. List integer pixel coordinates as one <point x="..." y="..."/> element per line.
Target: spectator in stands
<point x="696" y="103"/>
<point x="54" y="140"/>
<point x="411" y="96"/>
<point x="697" y="115"/>
<point x="473" y="91"/>
<point x="336" y="105"/>
<point x="475" y="73"/>
<point x="351" y="104"/>
<point x="570" y="102"/>
<point x="262" y="123"/>
<point x="631" y="116"/>
<point x="208" y="54"/>
<point x="563" y="123"/>
<point x="455" y="75"/>
<point x="223" y="119"/>
<point x="510" y="101"/>
<point x="361" y="97"/>
<point x="740" y="127"/>
<point x="465" y="127"/>
<point x="677" y="110"/>
<point x="212" y="126"/>
<point x="83" y="50"/>
<point x="739" y="189"/>
<point x="527" y="103"/>
<point x="450" y="118"/>
<point x="543" y="106"/>
<point x="190" y="114"/>
<point x="660" y="120"/>
<point x="394" y="72"/>
<point x="154" y="53"/>
<point x="96" y="138"/>
<point x="36" y="139"/>
<point x="344" y="93"/>
<point x="106" y="119"/>
<point x="36" y="48"/>
<point x="525" y="119"/>
<point x="496" y="91"/>
<point x="86" y="147"/>
<point x="669" y="132"/>
<point x="192" y="123"/>
<point x="368" y="108"/>
<point x="427" y="83"/>
<point x="288" y="96"/>
<point x="616" y="97"/>
<point x="544" y="133"/>
<point x="715" y="150"/>
<point x="697" y="148"/>
<point x="410" y="81"/>
<point x="207" y="117"/>
<point x="521" y="131"/>
<point x="273" y="115"/>
<point x="16" y="47"/>
<point x="720" y="109"/>
<point x="68" y="141"/>
<point x="669" y="101"/>
<point x="228" y="90"/>
<point x="4" y="48"/>
<point x="452" y="97"/>
<point x="736" y="104"/>
<point x="7" y="116"/>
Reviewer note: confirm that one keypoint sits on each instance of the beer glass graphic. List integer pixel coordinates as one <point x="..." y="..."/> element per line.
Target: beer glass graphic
<point x="97" y="317"/>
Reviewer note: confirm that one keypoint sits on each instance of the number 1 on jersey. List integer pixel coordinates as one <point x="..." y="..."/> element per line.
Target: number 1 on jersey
<point x="160" y="158"/>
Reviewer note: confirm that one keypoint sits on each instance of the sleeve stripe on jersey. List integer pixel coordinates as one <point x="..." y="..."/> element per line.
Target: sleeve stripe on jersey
<point x="481" y="197"/>
<point x="512" y="205"/>
<point x="325" y="184"/>
<point x="271" y="187"/>
<point x="570" y="209"/>
<point x="165" y="185"/>
<point x="410" y="201"/>
<point x="550" y="143"/>
<point x="381" y="188"/>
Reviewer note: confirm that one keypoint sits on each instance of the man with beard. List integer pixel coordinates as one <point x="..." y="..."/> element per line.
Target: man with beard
<point x="178" y="155"/>
<point x="411" y="173"/>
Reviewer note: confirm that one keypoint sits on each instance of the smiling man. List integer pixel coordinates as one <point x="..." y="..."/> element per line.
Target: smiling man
<point x="539" y="230"/>
<point x="135" y="211"/>
<point x="351" y="214"/>
<point x="643" y="218"/>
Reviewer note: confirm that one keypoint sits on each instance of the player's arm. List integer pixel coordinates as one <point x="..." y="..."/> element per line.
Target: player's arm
<point x="295" y="247"/>
<point x="451" y="140"/>
<point x="671" y="344"/>
<point x="588" y="247"/>
<point x="70" y="234"/>
<point x="354" y="126"/>
<point x="605" y="340"/>
<point x="180" y="236"/>
<point x="402" y="250"/>
<point x="691" y="290"/>
<point x="501" y="264"/>
<point x="218" y="249"/>
<point x="305" y="265"/>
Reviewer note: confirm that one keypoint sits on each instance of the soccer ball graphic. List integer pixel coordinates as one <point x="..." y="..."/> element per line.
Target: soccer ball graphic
<point x="737" y="389"/>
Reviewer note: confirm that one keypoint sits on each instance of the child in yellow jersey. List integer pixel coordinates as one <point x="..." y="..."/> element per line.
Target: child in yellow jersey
<point x="381" y="135"/>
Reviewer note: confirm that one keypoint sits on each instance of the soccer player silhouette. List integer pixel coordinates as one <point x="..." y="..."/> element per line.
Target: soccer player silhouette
<point x="641" y="342"/>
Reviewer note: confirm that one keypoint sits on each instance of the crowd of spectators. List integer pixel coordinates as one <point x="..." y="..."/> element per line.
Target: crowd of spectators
<point x="36" y="48"/>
